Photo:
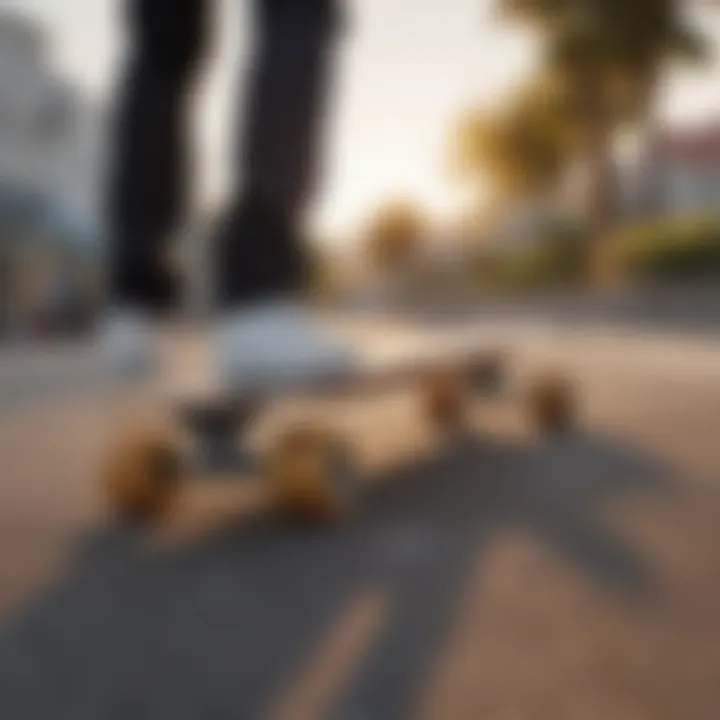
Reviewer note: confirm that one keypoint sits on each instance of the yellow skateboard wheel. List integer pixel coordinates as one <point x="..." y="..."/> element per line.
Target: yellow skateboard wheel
<point x="142" y="476"/>
<point x="444" y="398"/>
<point x="551" y="403"/>
<point x="312" y="475"/>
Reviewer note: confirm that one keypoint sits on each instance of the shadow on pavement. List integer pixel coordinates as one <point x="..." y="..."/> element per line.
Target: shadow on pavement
<point x="214" y="630"/>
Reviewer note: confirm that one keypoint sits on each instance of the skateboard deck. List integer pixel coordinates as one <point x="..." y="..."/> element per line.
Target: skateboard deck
<point x="209" y="413"/>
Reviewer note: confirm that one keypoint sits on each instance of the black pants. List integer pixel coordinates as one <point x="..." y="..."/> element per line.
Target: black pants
<point x="259" y="249"/>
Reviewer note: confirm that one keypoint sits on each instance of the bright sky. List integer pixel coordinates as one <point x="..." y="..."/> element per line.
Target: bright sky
<point x="407" y="68"/>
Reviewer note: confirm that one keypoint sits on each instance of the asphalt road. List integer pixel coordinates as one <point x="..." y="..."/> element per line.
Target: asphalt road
<point x="500" y="576"/>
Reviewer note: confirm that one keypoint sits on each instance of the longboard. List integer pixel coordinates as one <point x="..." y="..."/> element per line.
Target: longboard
<point x="310" y="470"/>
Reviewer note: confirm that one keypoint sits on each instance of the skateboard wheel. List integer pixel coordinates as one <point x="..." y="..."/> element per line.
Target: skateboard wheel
<point x="312" y="475"/>
<point x="551" y="404"/>
<point x="443" y="398"/>
<point x="142" y="476"/>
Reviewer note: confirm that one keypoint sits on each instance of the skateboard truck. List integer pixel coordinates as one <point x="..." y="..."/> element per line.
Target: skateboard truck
<point x="216" y="427"/>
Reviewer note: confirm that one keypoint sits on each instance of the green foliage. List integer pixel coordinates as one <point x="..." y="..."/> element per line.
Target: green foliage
<point x="567" y="247"/>
<point x="608" y="58"/>
<point x="615" y="48"/>
<point x="560" y="256"/>
<point x="664" y="250"/>
<point x="661" y="250"/>
<point x="518" y="148"/>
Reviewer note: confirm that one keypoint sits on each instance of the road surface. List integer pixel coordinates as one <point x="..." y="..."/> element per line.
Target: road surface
<point x="500" y="577"/>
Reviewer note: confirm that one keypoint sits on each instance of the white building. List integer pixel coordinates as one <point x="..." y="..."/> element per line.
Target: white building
<point x="681" y="173"/>
<point x="50" y="135"/>
<point x="50" y="151"/>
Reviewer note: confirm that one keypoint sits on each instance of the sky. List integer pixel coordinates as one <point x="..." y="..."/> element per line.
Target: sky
<point x="407" y="68"/>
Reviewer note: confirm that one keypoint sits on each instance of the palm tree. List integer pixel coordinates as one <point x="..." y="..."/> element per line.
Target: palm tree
<point x="515" y="151"/>
<point x="608" y="58"/>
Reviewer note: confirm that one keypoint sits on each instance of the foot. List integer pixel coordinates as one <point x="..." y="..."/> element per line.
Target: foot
<point x="276" y="344"/>
<point x="126" y="344"/>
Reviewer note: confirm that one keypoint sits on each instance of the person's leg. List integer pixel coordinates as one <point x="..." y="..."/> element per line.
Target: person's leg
<point x="261" y="252"/>
<point x="149" y="173"/>
<point x="266" y="336"/>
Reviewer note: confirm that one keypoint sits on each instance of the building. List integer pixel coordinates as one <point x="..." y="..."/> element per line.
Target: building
<point x="680" y="173"/>
<point x="50" y="134"/>
<point x="50" y="150"/>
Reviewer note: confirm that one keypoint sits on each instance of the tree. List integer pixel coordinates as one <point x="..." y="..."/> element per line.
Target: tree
<point x="393" y="234"/>
<point x="516" y="151"/>
<point x="608" y="58"/>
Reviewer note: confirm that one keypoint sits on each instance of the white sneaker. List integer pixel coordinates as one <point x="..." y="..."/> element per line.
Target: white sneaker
<point x="126" y="343"/>
<point x="273" y="345"/>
